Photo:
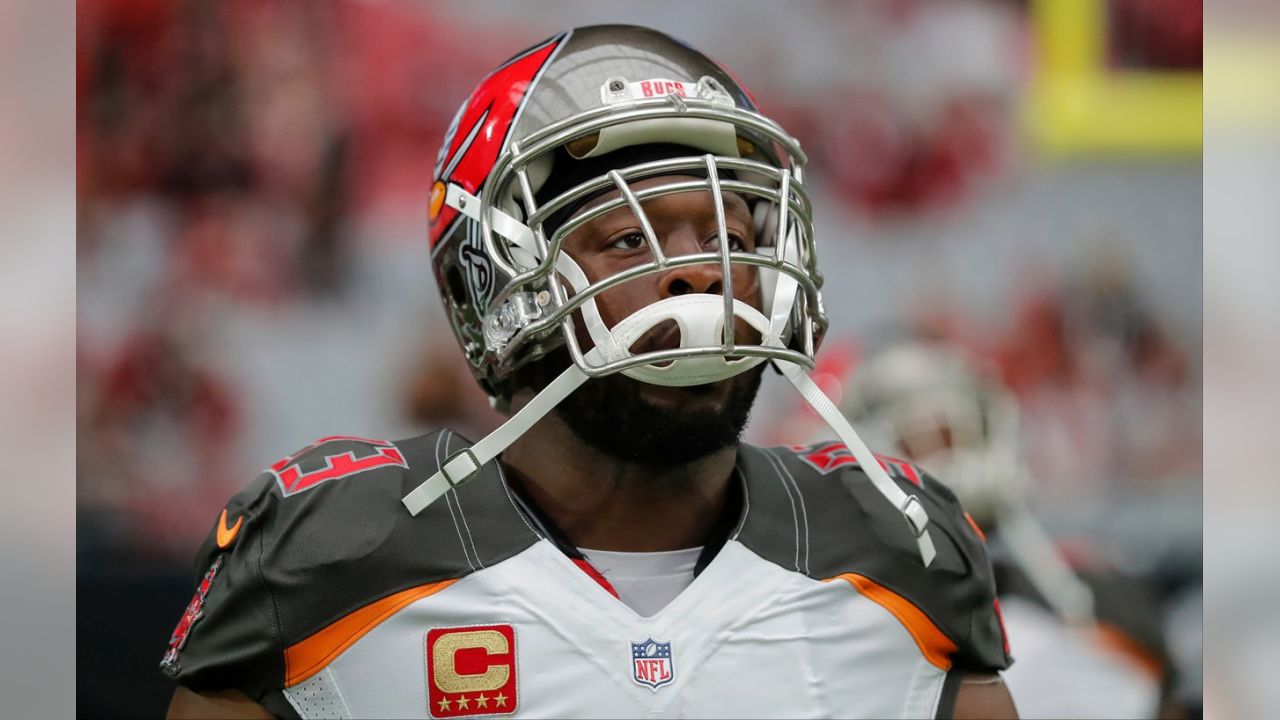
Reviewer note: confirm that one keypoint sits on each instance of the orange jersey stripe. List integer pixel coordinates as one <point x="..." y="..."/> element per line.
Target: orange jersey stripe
<point x="310" y="656"/>
<point x="936" y="647"/>
<point x="974" y="524"/>
<point x="1121" y="643"/>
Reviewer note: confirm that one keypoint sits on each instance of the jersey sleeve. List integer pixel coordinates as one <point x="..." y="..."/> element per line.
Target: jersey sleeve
<point x="227" y="637"/>
<point x="317" y="536"/>
<point x="974" y="608"/>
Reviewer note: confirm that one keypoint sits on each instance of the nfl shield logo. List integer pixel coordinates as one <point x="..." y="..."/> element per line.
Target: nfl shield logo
<point x="651" y="663"/>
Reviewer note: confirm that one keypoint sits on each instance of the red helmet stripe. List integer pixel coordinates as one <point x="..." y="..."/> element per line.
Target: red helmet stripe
<point x="479" y="132"/>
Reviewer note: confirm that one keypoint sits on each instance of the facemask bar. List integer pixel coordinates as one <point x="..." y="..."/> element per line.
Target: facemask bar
<point x="524" y="152"/>
<point x="792" y="243"/>
<point x="785" y="264"/>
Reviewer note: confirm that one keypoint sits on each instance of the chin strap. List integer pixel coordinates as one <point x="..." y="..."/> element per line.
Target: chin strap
<point x="909" y="505"/>
<point x="463" y="465"/>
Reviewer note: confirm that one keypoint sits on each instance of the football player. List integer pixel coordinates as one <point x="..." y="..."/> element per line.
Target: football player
<point x="622" y="242"/>
<point x="1089" y="642"/>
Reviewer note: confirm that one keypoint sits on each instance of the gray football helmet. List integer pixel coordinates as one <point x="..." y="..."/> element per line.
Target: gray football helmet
<point x="510" y="171"/>
<point x="936" y="407"/>
<point x="942" y="409"/>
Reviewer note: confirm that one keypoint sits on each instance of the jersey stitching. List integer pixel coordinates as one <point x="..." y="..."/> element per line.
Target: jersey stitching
<point x="795" y="515"/>
<point x="746" y="505"/>
<point x="275" y="608"/>
<point x="533" y="517"/>
<point x="458" y="499"/>
<point x="346" y="706"/>
<point x="466" y="555"/>
<point x="502" y="477"/>
<point x="448" y="497"/>
<point x="804" y="513"/>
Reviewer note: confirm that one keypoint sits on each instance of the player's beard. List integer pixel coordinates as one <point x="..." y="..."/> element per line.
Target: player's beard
<point x="612" y="415"/>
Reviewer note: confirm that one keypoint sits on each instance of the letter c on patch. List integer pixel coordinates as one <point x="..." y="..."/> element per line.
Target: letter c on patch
<point x="444" y="661"/>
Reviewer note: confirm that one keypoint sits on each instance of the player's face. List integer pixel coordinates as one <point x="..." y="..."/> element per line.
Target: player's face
<point x="709" y="416"/>
<point x="684" y="224"/>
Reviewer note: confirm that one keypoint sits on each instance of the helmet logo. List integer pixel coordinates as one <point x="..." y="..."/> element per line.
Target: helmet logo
<point x="480" y="129"/>
<point x="479" y="269"/>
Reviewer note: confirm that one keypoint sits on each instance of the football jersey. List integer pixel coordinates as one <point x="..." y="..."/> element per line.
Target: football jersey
<point x="1063" y="672"/>
<point x="319" y="595"/>
<point x="1117" y="667"/>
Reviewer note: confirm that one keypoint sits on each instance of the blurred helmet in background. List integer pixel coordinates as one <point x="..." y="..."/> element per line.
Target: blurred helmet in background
<point x="588" y="112"/>
<point x="934" y="406"/>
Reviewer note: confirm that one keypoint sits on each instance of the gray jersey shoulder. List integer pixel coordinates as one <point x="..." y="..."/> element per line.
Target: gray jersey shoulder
<point x="826" y="519"/>
<point x="322" y="533"/>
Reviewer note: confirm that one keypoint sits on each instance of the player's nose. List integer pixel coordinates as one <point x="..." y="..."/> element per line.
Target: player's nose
<point x="700" y="278"/>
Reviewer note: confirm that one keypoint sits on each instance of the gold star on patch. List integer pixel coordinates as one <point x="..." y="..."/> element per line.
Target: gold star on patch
<point x="463" y="703"/>
<point x="444" y="705"/>
<point x="500" y="699"/>
<point x="482" y="701"/>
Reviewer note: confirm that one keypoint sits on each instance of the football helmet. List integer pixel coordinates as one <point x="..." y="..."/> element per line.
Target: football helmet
<point x="589" y="112"/>
<point x="941" y="409"/>
<point x="935" y="407"/>
<point x="524" y="151"/>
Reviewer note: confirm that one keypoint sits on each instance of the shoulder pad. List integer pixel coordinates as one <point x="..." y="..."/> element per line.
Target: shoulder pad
<point x="320" y="534"/>
<point x="813" y="510"/>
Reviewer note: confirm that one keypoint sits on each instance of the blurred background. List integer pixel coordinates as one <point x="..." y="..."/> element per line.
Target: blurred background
<point x="1020" y="180"/>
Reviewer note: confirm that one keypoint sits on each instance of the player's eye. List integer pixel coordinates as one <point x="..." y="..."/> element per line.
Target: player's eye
<point x="736" y="243"/>
<point x="631" y="240"/>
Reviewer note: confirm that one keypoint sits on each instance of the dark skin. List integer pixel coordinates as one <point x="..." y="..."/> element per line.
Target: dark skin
<point x="603" y="502"/>
<point x="639" y="508"/>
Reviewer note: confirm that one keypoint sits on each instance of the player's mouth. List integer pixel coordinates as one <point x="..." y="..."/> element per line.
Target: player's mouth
<point x="663" y="336"/>
<point x="666" y="336"/>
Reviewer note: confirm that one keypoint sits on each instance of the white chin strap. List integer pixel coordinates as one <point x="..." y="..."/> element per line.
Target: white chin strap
<point x="909" y="505"/>
<point x="699" y="318"/>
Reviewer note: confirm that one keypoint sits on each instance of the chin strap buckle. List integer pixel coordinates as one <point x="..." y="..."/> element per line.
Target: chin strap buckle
<point x="915" y="514"/>
<point x="460" y="467"/>
<point x="918" y="521"/>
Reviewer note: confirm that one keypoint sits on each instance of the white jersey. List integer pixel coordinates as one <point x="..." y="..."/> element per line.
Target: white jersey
<point x="1066" y="672"/>
<point x="327" y="599"/>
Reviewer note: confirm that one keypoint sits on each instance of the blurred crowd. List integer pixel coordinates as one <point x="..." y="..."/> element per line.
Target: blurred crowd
<point x="253" y="272"/>
<point x="227" y="152"/>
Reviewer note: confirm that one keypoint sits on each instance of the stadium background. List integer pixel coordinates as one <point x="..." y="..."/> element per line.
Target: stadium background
<point x="1022" y="179"/>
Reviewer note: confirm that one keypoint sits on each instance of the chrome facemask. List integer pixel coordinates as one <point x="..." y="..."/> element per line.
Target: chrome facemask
<point x="547" y="286"/>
